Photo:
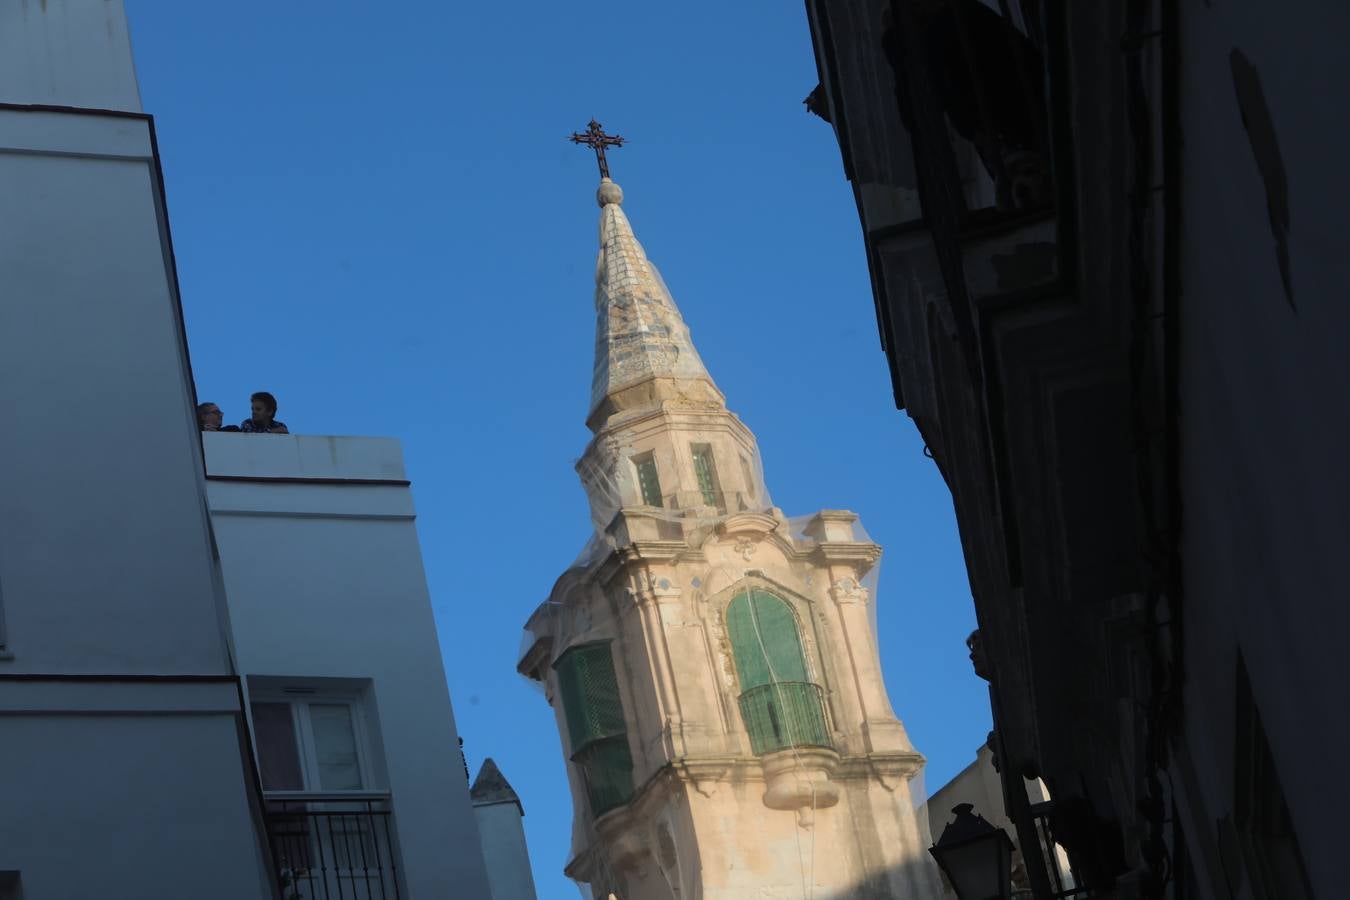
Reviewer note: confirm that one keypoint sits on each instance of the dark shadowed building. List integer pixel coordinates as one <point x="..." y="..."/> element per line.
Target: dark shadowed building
<point x="1105" y="242"/>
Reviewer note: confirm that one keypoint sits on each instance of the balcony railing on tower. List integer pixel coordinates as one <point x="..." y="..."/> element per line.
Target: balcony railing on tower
<point x="785" y="714"/>
<point x="333" y="846"/>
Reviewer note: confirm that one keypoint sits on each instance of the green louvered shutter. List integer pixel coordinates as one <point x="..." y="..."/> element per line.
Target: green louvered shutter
<point x="648" y="481"/>
<point x="596" y="731"/>
<point x="703" y="468"/>
<point x="780" y="706"/>
<point x="608" y="767"/>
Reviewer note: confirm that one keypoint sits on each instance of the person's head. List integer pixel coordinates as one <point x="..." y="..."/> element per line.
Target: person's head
<point x="209" y="417"/>
<point x="264" y="406"/>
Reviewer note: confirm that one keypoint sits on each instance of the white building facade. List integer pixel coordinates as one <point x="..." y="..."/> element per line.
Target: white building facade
<point x="157" y="739"/>
<point x="337" y="648"/>
<point x="124" y="767"/>
<point x="1129" y="366"/>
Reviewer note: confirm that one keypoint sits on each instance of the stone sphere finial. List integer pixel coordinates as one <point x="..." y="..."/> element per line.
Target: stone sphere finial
<point x="608" y="193"/>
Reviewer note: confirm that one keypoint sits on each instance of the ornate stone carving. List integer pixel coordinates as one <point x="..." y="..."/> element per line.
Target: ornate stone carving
<point x="706" y="783"/>
<point x="745" y="548"/>
<point x="888" y="780"/>
<point x="847" y="590"/>
<point x="703" y="776"/>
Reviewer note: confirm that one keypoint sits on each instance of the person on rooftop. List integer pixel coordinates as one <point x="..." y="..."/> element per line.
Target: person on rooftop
<point x="264" y="419"/>
<point x="209" y="418"/>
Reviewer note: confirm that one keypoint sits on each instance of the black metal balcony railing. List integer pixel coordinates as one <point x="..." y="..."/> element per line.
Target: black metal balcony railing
<point x="333" y="847"/>
<point x="785" y="714"/>
<point x="1062" y="882"/>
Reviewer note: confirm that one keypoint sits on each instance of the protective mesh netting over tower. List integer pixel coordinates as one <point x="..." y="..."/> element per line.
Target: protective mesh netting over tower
<point x="671" y="472"/>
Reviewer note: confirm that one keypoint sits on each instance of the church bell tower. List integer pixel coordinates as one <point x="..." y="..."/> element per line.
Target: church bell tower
<point x="710" y="661"/>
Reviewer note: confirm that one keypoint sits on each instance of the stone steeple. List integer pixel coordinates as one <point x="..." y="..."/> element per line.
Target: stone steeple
<point x="711" y="663"/>
<point x="663" y="434"/>
<point x="643" y="350"/>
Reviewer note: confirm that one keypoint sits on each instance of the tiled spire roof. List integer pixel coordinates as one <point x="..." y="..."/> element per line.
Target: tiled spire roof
<point x="639" y="332"/>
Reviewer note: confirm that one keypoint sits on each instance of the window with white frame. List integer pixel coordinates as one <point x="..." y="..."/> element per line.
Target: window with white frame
<point x="310" y="742"/>
<point x="329" y="818"/>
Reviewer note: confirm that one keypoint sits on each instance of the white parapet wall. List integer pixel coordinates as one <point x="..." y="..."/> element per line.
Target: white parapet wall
<point x="328" y="604"/>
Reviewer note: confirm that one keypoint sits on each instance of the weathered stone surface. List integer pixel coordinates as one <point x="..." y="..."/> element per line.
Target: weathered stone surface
<point x="709" y="817"/>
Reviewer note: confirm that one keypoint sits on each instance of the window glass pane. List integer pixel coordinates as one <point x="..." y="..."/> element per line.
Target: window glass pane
<point x="335" y="747"/>
<point x="278" y="752"/>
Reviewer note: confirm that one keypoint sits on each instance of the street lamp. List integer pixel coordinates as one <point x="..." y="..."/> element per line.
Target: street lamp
<point x="975" y="856"/>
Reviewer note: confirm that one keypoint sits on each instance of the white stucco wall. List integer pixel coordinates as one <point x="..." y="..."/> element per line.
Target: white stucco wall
<point x="126" y="791"/>
<point x="99" y="446"/>
<point x="504" y="850"/>
<point x="1265" y="406"/>
<point x="113" y="749"/>
<point x="67" y="53"/>
<point x="325" y="580"/>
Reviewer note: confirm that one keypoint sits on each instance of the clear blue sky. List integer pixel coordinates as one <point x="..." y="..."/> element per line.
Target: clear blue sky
<point x="377" y="218"/>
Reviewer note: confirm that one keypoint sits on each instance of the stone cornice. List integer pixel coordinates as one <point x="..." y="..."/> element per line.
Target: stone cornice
<point x="898" y="762"/>
<point x="535" y="657"/>
<point x="848" y="552"/>
<point x="752" y="525"/>
<point x="676" y="408"/>
<point x="890" y="769"/>
<point x="621" y="559"/>
<point x="748" y="523"/>
<point x="703" y="774"/>
<point x="651" y="551"/>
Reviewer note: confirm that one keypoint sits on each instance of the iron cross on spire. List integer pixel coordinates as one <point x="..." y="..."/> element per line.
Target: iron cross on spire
<point x="597" y="140"/>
